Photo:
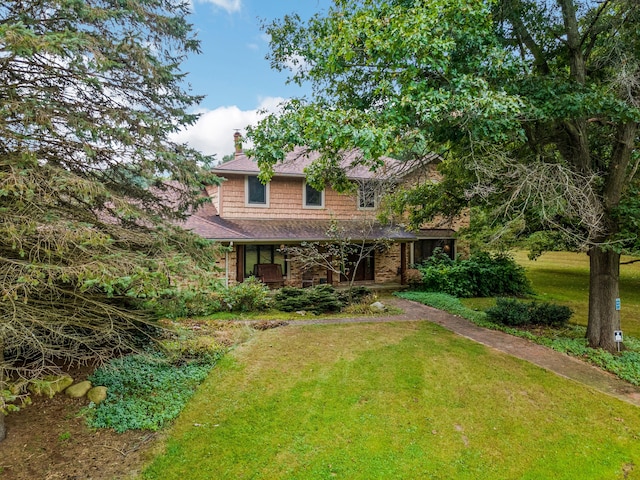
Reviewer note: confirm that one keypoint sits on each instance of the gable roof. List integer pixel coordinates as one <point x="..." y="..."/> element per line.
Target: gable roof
<point x="300" y="158"/>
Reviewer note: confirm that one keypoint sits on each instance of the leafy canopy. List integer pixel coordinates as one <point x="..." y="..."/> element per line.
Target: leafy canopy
<point x="532" y="105"/>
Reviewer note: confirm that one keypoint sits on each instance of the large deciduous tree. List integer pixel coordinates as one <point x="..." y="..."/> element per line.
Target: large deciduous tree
<point x="90" y="183"/>
<point x="534" y="106"/>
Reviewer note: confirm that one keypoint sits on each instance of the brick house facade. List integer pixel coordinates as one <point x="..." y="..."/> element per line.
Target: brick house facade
<point x="257" y="221"/>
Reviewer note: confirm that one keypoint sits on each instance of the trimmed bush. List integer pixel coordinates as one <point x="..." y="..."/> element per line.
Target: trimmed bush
<point x="482" y="275"/>
<point x="291" y="299"/>
<point x="319" y="299"/>
<point x="509" y="311"/>
<point x="513" y="313"/>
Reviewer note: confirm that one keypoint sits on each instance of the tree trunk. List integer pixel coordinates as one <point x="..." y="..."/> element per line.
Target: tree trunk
<point x="3" y="429"/>
<point x="604" y="274"/>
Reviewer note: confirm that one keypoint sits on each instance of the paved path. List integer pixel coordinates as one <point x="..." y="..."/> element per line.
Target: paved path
<point x="559" y="363"/>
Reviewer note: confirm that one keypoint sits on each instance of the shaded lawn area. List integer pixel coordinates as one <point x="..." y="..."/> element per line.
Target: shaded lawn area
<point x="563" y="278"/>
<point x="397" y="401"/>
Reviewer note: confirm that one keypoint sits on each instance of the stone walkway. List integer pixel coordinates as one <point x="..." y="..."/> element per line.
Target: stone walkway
<point x="559" y="363"/>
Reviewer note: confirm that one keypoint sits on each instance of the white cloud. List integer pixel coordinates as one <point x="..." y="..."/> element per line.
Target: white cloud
<point x="213" y="133"/>
<point x="229" y="5"/>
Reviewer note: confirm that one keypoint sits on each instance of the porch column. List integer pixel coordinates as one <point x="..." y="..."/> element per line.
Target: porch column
<point x="239" y="263"/>
<point x="403" y="263"/>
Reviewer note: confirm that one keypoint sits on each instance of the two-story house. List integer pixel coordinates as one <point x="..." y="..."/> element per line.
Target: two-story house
<point x="258" y="220"/>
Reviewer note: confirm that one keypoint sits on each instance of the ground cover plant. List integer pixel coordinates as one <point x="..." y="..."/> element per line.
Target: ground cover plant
<point x="404" y="400"/>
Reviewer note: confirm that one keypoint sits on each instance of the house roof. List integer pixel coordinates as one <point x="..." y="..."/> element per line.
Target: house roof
<point x="297" y="160"/>
<point x="297" y="230"/>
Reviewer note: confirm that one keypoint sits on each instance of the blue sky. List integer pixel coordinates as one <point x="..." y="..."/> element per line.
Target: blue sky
<point x="232" y="70"/>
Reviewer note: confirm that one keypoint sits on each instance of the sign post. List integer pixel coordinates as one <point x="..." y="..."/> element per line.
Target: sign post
<point x="617" y="337"/>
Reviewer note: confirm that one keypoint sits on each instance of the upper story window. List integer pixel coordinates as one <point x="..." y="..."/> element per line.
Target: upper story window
<point x="366" y="196"/>
<point x="257" y="193"/>
<point x="312" y="198"/>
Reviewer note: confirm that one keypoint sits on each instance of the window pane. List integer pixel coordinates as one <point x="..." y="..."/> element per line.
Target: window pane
<point x="250" y="259"/>
<point x="313" y="197"/>
<point x="280" y="260"/>
<point x="266" y="253"/>
<point x="257" y="191"/>
<point x="366" y="195"/>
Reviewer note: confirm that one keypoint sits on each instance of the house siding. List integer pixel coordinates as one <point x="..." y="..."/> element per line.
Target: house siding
<point x="285" y="201"/>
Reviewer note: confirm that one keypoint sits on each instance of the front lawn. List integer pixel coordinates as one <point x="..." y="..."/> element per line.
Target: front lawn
<point x="395" y="401"/>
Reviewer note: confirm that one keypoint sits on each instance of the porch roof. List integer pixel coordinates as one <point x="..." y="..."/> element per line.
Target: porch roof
<point x="291" y="230"/>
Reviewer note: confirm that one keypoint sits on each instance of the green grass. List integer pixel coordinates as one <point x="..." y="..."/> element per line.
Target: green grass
<point x="400" y="401"/>
<point x="273" y="314"/>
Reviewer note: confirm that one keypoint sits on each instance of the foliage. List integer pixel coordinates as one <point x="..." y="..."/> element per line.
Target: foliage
<point x="318" y="299"/>
<point x="512" y="312"/>
<point x="533" y="108"/>
<point x="482" y="275"/>
<point x="188" y="302"/>
<point x="509" y="311"/>
<point x="90" y="183"/>
<point x="249" y="296"/>
<point x="145" y="391"/>
<point x="354" y="295"/>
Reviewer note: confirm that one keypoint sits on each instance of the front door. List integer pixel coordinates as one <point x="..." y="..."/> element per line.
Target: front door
<point x="364" y="270"/>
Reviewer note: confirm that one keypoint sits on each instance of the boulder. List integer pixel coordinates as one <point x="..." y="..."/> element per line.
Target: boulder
<point x="377" y="307"/>
<point x="50" y="385"/>
<point x="78" y="390"/>
<point x="97" y="394"/>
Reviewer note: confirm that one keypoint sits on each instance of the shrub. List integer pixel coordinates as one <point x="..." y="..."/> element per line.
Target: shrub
<point x="354" y="295"/>
<point x="187" y="303"/>
<point x="550" y="314"/>
<point x="291" y="299"/>
<point x="249" y="296"/>
<point x="323" y="299"/>
<point x="511" y="312"/>
<point x="482" y="275"/>
<point x="319" y="299"/>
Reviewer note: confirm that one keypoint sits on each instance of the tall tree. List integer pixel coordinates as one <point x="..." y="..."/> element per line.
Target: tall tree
<point x="534" y="106"/>
<point x="89" y="93"/>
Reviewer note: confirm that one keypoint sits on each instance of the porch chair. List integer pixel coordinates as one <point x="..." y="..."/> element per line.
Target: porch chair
<point x="270" y="274"/>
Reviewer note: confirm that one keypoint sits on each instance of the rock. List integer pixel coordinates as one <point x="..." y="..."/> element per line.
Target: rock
<point x="78" y="390"/>
<point x="377" y="307"/>
<point x="50" y="385"/>
<point x="97" y="394"/>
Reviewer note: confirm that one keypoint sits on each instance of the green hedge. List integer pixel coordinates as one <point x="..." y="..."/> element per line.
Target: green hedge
<point x="482" y="275"/>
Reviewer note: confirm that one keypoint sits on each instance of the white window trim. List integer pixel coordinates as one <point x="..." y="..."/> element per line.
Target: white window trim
<point x="304" y="199"/>
<point x="246" y="194"/>
<point x="375" y="201"/>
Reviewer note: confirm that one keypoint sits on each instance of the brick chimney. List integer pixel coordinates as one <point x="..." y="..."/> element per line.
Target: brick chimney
<point x="237" y="141"/>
